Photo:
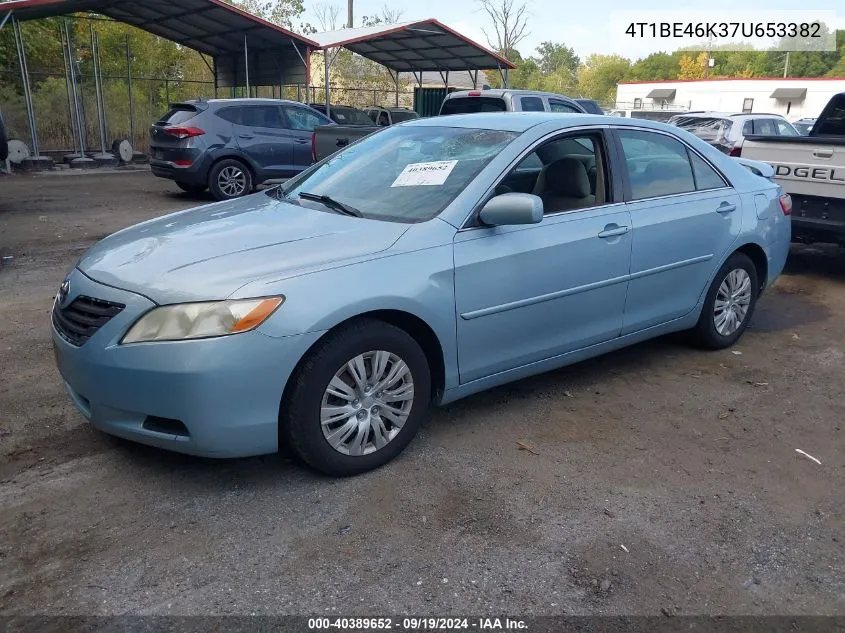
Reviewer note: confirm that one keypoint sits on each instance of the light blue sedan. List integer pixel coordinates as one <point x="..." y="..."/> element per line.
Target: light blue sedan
<point x="425" y="263"/>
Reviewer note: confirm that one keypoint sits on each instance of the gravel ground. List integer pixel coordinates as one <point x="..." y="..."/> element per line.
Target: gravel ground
<point x="661" y="478"/>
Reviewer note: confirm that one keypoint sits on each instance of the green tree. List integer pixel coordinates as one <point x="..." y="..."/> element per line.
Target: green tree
<point x="599" y="74"/>
<point x="656" y="67"/>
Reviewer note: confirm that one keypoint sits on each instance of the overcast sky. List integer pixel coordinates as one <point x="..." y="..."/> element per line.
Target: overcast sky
<point x="583" y="25"/>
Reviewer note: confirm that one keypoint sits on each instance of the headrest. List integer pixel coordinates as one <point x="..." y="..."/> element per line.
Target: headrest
<point x="567" y="178"/>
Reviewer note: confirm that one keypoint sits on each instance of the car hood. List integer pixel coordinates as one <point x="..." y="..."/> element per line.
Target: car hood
<point x="211" y="251"/>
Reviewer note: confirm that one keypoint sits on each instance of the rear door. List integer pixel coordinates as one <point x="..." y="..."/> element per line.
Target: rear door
<point x="685" y="219"/>
<point x="301" y="122"/>
<point x="261" y="134"/>
<point x="165" y="146"/>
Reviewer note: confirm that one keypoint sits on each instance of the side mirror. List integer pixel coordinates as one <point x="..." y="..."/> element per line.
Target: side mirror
<point x="512" y="208"/>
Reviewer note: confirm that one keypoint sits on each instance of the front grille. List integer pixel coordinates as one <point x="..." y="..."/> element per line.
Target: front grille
<point x="83" y="317"/>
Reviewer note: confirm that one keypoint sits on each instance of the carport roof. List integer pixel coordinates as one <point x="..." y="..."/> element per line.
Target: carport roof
<point x="212" y="27"/>
<point x="425" y="45"/>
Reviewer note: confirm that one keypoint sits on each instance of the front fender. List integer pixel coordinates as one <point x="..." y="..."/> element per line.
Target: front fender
<point x="420" y="283"/>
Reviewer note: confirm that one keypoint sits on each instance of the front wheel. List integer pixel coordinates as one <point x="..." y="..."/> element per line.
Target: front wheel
<point x="729" y="303"/>
<point x="357" y="399"/>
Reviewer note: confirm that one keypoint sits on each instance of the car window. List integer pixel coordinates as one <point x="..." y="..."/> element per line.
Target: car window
<point x="658" y="165"/>
<point x="413" y="172"/>
<point x="748" y="128"/>
<point x="833" y="121"/>
<point x="404" y="115"/>
<point x="178" y="115"/>
<point x="572" y="174"/>
<point x="302" y="119"/>
<point x="705" y="176"/>
<point x="561" y="106"/>
<point x="260" y="116"/>
<point x="350" y="116"/>
<point x="785" y="129"/>
<point x="765" y="127"/>
<point x="469" y="105"/>
<point x="372" y="114"/>
<point x="710" y="129"/>
<point x="383" y="119"/>
<point x="531" y="104"/>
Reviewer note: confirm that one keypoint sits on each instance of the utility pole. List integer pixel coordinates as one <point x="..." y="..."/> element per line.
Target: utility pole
<point x="349" y="21"/>
<point x="785" y="64"/>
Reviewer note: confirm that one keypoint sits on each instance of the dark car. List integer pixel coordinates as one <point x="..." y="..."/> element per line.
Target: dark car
<point x="344" y="114"/>
<point x="231" y="145"/>
<point x="590" y="106"/>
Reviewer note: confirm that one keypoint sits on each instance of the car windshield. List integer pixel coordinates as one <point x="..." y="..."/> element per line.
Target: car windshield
<point x="402" y="174"/>
<point x="471" y="105"/>
<point x="705" y="128"/>
<point x="403" y="115"/>
<point x="350" y="116"/>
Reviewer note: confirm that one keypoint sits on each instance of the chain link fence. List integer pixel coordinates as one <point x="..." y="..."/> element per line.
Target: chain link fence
<point x="56" y="122"/>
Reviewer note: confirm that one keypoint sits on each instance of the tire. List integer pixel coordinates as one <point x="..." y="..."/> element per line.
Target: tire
<point x="192" y="189"/>
<point x="706" y="332"/>
<point x="235" y="173"/>
<point x="301" y="416"/>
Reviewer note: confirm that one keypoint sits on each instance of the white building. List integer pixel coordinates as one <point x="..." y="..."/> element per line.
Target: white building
<point x="793" y="98"/>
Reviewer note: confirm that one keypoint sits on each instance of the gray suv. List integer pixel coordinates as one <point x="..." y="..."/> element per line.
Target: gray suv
<point x="231" y="145"/>
<point x="507" y="100"/>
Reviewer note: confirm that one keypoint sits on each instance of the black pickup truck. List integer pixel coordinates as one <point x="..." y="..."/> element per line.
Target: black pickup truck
<point x="811" y="169"/>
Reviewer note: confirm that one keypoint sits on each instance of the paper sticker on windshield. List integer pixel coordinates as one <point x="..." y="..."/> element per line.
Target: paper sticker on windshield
<point x="434" y="173"/>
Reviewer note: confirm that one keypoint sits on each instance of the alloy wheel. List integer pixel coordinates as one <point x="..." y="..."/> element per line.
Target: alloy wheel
<point x="732" y="302"/>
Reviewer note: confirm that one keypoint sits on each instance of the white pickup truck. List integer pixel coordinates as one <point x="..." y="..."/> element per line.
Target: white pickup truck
<point x="811" y="169"/>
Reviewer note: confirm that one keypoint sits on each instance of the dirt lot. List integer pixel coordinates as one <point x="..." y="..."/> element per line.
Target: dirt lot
<point x="685" y="458"/>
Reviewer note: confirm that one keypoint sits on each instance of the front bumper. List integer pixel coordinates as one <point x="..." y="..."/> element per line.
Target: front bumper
<point x="225" y="391"/>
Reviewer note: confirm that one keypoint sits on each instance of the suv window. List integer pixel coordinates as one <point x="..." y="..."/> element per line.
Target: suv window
<point x="302" y="119"/>
<point x="832" y="121"/>
<point x="658" y="165"/>
<point x="404" y="115"/>
<point x="383" y="119"/>
<point x="253" y="116"/>
<point x="532" y="104"/>
<point x="785" y="129"/>
<point x="177" y="115"/>
<point x="765" y="127"/>
<point x="710" y="129"/>
<point x="468" y="105"/>
<point x="561" y="106"/>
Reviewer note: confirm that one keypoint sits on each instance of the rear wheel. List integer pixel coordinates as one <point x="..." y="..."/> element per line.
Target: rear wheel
<point x="729" y="303"/>
<point x="357" y="399"/>
<point x="192" y="189"/>
<point x="229" y="179"/>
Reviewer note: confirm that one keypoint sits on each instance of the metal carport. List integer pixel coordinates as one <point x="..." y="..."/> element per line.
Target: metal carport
<point x="245" y="50"/>
<point x="415" y="47"/>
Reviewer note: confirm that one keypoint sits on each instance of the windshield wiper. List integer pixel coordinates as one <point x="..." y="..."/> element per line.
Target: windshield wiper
<point x="330" y="202"/>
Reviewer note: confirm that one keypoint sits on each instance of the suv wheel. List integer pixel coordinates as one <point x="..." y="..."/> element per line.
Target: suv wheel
<point x="229" y="179"/>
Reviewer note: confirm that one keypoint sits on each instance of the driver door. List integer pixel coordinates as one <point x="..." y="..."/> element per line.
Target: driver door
<point x="527" y="293"/>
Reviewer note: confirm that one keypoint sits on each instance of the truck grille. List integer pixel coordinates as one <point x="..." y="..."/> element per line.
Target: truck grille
<point x="83" y="317"/>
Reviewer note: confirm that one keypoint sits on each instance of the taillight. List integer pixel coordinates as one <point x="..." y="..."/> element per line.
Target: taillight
<point x="183" y="132"/>
<point x="786" y="204"/>
<point x="183" y="162"/>
<point x="313" y="147"/>
<point x="735" y="151"/>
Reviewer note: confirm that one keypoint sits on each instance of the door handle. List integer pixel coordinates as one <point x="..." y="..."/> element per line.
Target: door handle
<point x="613" y="230"/>
<point x="823" y="153"/>
<point x="342" y="142"/>
<point x="301" y="141"/>
<point x="245" y="136"/>
<point x="726" y="207"/>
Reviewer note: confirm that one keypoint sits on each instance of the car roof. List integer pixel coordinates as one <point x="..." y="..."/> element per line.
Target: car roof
<point x="726" y="115"/>
<point x="522" y="121"/>
<point x="240" y="101"/>
<point x="501" y="92"/>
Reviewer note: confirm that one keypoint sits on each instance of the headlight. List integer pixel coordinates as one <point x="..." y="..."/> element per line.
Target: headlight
<point x="201" y="320"/>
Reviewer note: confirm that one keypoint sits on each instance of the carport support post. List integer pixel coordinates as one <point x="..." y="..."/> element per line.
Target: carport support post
<point x="326" y="79"/>
<point x="102" y="158"/>
<point x="27" y="92"/>
<point x="396" y="79"/>
<point x="82" y="160"/>
<point x="246" y="65"/>
<point x="129" y="87"/>
<point x="70" y="115"/>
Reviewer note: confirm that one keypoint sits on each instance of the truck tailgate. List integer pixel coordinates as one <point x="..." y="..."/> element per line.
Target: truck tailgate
<point x="805" y="167"/>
